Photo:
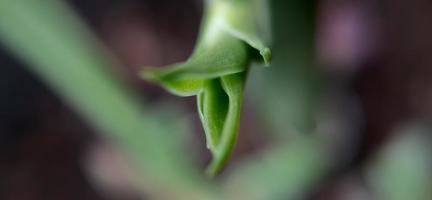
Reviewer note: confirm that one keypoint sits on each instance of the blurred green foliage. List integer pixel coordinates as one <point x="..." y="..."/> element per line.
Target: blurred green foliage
<point x="402" y="169"/>
<point x="286" y="95"/>
<point x="62" y="52"/>
<point x="58" y="48"/>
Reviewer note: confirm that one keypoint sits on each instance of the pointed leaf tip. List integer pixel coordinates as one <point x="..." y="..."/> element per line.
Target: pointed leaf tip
<point x="267" y="56"/>
<point x="179" y="87"/>
<point x="149" y="75"/>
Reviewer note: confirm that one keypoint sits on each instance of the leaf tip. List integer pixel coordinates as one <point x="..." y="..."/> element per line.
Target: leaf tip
<point x="266" y="54"/>
<point x="149" y="75"/>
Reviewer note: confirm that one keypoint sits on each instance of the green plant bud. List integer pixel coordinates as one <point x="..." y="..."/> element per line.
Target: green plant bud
<point x="231" y="35"/>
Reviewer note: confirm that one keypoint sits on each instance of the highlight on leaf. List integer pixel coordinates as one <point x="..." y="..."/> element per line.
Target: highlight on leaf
<point x="217" y="70"/>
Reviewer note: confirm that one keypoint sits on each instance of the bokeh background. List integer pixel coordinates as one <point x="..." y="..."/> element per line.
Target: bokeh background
<point x="354" y="73"/>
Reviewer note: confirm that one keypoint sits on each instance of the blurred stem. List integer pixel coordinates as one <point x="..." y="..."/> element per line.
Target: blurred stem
<point x="56" y="47"/>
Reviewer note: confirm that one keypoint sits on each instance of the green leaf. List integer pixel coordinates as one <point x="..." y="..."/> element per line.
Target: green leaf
<point x="228" y="56"/>
<point x="230" y="38"/>
<point x="48" y="37"/>
<point x="219" y="106"/>
<point x="248" y="32"/>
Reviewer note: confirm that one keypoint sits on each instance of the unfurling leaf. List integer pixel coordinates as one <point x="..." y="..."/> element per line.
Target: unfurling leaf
<point x="230" y="38"/>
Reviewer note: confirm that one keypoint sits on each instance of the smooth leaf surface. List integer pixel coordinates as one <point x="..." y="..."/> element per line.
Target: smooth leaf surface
<point x="216" y="71"/>
<point x="228" y="56"/>
<point x="225" y="129"/>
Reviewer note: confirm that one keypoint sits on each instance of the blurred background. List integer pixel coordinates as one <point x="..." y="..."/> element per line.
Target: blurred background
<point x="355" y="74"/>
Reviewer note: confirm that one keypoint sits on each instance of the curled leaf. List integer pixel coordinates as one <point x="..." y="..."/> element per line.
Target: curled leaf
<point x="228" y="56"/>
<point x="222" y="122"/>
<point x="217" y="70"/>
